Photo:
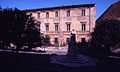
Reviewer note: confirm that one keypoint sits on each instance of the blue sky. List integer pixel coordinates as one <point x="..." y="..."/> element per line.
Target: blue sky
<point x="101" y="5"/>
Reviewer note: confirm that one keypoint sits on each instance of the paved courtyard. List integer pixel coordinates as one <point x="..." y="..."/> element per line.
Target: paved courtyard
<point x="24" y="62"/>
<point x="48" y="50"/>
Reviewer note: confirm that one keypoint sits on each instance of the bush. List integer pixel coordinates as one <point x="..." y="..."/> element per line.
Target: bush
<point x="106" y="35"/>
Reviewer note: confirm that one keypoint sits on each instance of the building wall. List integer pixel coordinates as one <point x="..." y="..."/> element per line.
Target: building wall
<point x="75" y="19"/>
<point x="112" y="11"/>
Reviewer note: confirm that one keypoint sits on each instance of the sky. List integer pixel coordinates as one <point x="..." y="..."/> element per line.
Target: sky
<point x="101" y="5"/>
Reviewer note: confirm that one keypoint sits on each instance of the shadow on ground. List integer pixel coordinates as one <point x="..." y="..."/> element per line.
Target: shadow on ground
<point x="12" y="62"/>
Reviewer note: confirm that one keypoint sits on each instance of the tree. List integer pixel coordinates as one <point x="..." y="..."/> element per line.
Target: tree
<point x="46" y="40"/>
<point x="12" y="26"/>
<point x="18" y="28"/>
<point x="106" y="34"/>
<point x="32" y="35"/>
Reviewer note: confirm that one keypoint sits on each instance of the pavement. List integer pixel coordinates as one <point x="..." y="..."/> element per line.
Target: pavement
<point x="40" y="62"/>
<point x="48" y="50"/>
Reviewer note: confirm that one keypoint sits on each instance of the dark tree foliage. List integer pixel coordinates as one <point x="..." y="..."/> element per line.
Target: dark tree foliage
<point x="32" y="35"/>
<point x="82" y="47"/>
<point x="46" y="40"/>
<point x="12" y="24"/>
<point x="18" y="28"/>
<point x="106" y="35"/>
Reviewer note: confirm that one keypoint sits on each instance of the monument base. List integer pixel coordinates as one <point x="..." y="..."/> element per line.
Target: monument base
<point x="73" y="61"/>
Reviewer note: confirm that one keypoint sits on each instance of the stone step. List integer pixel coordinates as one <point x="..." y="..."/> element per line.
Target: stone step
<point x="73" y="59"/>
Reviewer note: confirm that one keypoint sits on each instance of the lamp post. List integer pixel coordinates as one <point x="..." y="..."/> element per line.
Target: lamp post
<point x="59" y="30"/>
<point x="89" y="22"/>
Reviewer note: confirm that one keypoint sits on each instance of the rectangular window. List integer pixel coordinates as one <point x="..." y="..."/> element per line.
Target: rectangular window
<point x="56" y="27"/>
<point x="83" y="27"/>
<point x="56" y="40"/>
<point x="38" y="15"/>
<point x="83" y="12"/>
<point x="68" y="40"/>
<point x="68" y="27"/>
<point x="47" y="27"/>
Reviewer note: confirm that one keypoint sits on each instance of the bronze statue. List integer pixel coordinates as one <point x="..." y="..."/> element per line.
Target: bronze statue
<point x="73" y="36"/>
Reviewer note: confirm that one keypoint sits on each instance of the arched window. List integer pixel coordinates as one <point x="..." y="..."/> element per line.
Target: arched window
<point x="56" y="14"/>
<point x="47" y="14"/>
<point x="38" y="15"/>
<point x="30" y="14"/>
<point x="68" y="13"/>
<point x="83" y="12"/>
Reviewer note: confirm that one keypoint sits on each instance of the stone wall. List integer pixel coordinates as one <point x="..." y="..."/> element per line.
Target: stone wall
<point x="112" y="11"/>
<point x="75" y="19"/>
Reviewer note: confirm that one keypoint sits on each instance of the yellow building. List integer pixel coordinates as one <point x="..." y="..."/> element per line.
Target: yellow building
<point x="58" y="22"/>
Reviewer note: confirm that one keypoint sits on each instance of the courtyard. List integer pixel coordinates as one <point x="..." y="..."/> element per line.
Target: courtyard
<point x="24" y="62"/>
<point x="29" y="61"/>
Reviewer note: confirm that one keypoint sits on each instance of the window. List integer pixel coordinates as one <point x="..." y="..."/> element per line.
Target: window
<point x="56" y="26"/>
<point x="38" y="15"/>
<point x="47" y="27"/>
<point x="83" y="12"/>
<point x="83" y="40"/>
<point x="68" y="27"/>
<point x="68" y="13"/>
<point x="56" y="40"/>
<point x="56" y="14"/>
<point x="47" y="14"/>
<point x="83" y="27"/>
<point x="68" y="40"/>
<point x="38" y="25"/>
<point x="30" y="14"/>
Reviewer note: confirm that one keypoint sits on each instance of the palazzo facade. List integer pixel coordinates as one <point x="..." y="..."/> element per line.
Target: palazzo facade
<point x="58" y="22"/>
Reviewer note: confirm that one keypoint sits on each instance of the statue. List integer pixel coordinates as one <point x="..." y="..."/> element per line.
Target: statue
<point x="73" y="58"/>
<point x="73" y="36"/>
<point x="72" y="46"/>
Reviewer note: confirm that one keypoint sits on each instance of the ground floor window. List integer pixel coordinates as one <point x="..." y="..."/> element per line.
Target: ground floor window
<point x="83" y="40"/>
<point x="56" y="40"/>
<point x="68" y="40"/>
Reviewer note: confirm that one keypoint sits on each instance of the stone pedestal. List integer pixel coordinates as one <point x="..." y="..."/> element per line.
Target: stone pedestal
<point x="72" y="49"/>
<point x="73" y="58"/>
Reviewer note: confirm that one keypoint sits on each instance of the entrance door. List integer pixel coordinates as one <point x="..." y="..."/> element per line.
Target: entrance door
<point x="67" y="40"/>
<point x="56" y="40"/>
<point x="83" y="40"/>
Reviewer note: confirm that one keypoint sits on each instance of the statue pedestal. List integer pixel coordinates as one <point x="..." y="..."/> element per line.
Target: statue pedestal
<point x="73" y="59"/>
<point x="72" y="49"/>
<point x="79" y="59"/>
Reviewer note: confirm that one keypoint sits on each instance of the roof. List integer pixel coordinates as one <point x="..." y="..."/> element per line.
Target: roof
<point x="60" y="7"/>
<point x="108" y="9"/>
